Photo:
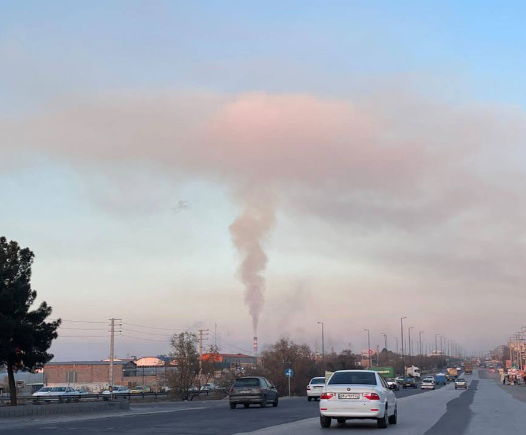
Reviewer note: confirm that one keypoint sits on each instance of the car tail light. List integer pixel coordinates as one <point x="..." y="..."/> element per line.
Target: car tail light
<point x="326" y="396"/>
<point x="371" y="396"/>
<point x="308" y="387"/>
<point x="232" y="390"/>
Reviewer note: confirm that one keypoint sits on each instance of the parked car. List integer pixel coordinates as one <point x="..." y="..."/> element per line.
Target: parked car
<point x="209" y="387"/>
<point x="315" y="388"/>
<point x="117" y="390"/>
<point x="392" y="383"/>
<point x="140" y="389"/>
<point x="357" y="394"/>
<point x="409" y="383"/>
<point x="42" y="392"/>
<point x="57" y="393"/>
<point x="254" y="390"/>
<point x="461" y="383"/>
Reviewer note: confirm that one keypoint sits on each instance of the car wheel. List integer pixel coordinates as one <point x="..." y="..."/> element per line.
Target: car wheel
<point x="309" y="398"/>
<point x="340" y="420"/>
<point x="384" y="421"/>
<point x="264" y="403"/>
<point x="325" y="422"/>
<point x="393" y="419"/>
<point x="246" y="405"/>
<point x="233" y="405"/>
<point x="275" y="403"/>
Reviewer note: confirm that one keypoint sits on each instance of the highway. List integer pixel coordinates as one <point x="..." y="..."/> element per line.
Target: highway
<point x="485" y="408"/>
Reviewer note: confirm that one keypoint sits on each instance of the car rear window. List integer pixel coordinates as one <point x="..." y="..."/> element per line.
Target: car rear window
<point x="248" y="382"/>
<point x="359" y="378"/>
<point x="318" y="381"/>
<point x="59" y="389"/>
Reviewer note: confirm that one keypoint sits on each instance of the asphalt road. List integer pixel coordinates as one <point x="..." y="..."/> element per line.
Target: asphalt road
<point x="445" y="411"/>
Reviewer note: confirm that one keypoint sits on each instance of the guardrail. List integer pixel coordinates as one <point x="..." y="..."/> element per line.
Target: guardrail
<point x="67" y="398"/>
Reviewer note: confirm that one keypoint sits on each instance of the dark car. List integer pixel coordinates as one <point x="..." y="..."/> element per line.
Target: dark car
<point x="409" y="383"/>
<point x="254" y="390"/>
<point x="450" y="377"/>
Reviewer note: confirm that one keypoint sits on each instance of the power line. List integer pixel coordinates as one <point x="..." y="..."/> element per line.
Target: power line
<point x="84" y="329"/>
<point x="147" y="333"/>
<point x="151" y="327"/>
<point x="82" y="336"/>
<point x="79" y="321"/>
<point x="143" y="339"/>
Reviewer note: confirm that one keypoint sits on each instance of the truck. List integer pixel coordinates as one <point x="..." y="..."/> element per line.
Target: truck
<point x="468" y="368"/>
<point x="412" y="371"/>
<point x="452" y="371"/>
<point x="386" y="372"/>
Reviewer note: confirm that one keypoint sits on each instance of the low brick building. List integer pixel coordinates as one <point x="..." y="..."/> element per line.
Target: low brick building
<point x="92" y="375"/>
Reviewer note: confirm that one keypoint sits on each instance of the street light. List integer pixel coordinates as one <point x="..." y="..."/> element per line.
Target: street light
<point x="436" y="345"/>
<point x="396" y="340"/>
<point x="369" y="346"/>
<point x="385" y="338"/>
<point x="410" y="353"/>
<point x="402" y="334"/>
<point x="420" y="345"/>
<point x="322" y="346"/>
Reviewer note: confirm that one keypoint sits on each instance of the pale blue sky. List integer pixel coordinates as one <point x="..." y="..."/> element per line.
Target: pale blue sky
<point x="101" y="250"/>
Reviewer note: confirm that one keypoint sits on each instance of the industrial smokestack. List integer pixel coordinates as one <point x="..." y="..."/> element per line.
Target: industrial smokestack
<point x="255" y="346"/>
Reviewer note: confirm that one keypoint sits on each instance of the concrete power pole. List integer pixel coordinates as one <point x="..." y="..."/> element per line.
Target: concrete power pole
<point x="203" y="335"/>
<point x="112" y="348"/>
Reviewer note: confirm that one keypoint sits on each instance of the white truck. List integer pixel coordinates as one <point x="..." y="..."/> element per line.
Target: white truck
<point x="413" y="371"/>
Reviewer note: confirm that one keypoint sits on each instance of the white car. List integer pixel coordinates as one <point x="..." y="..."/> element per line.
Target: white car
<point x="56" y="393"/>
<point x="428" y="383"/>
<point x="117" y="390"/>
<point x="357" y="394"/>
<point x="315" y="388"/>
<point x="44" y="391"/>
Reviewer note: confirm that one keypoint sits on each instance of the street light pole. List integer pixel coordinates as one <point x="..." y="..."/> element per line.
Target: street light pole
<point x="436" y="344"/>
<point x="402" y="334"/>
<point x="410" y="353"/>
<point x="322" y="346"/>
<point x="369" y="346"/>
<point x="396" y="340"/>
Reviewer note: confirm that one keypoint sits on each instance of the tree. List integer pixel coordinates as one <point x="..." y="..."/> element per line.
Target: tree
<point x="186" y="356"/>
<point x="25" y="336"/>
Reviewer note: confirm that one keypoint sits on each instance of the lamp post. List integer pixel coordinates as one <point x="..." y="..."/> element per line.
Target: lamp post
<point x="396" y="340"/>
<point x="436" y="345"/>
<point x="368" y="346"/>
<point x="402" y="334"/>
<point x="410" y="353"/>
<point x="420" y="346"/>
<point x="322" y="346"/>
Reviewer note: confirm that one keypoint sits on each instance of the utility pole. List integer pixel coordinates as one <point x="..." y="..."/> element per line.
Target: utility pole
<point x="420" y="346"/>
<point x="322" y="346"/>
<point x="385" y="339"/>
<point x="402" y="334"/>
<point x="410" y="353"/>
<point x="203" y="335"/>
<point x="436" y="344"/>
<point x="112" y="348"/>
<point x="396" y="340"/>
<point x="369" y="346"/>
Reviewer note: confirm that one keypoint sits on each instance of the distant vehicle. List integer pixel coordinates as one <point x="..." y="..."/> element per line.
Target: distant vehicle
<point x="468" y="368"/>
<point x="140" y="389"/>
<point x="461" y="383"/>
<point x="357" y="394"/>
<point x="409" y="383"/>
<point x="117" y="391"/>
<point x="428" y="383"/>
<point x="399" y="379"/>
<point x="413" y="371"/>
<point x="253" y="391"/>
<point x="81" y="391"/>
<point x="42" y="392"/>
<point x="392" y="384"/>
<point x="459" y="368"/>
<point x="453" y="371"/>
<point x="386" y="372"/>
<point x="315" y="388"/>
<point x="440" y="378"/>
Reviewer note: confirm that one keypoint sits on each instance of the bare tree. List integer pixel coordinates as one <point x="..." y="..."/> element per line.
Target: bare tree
<point x="184" y="352"/>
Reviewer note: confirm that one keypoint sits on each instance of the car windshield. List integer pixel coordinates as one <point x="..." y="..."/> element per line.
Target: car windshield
<point x="317" y="381"/>
<point x="361" y="378"/>
<point x="45" y="390"/>
<point x="461" y="380"/>
<point x="247" y="382"/>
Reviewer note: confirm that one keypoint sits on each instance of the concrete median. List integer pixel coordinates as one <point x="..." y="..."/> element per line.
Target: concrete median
<point x="63" y="408"/>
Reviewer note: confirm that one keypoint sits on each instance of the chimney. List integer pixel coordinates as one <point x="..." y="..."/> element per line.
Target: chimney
<point x="255" y="346"/>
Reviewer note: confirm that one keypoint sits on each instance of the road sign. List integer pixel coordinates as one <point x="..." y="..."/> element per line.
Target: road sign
<point x="289" y="373"/>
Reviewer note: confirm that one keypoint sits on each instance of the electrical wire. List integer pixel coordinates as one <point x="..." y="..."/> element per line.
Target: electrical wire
<point x="147" y="333"/>
<point x="83" y="329"/>
<point x="143" y="339"/>
<point x="79" y="321"/>
<point x="82" y="336"/>
<point x="150" y="327"/>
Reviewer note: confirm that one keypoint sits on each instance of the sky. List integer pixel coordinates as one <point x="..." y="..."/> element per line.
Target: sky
<point x="264" y="166"/>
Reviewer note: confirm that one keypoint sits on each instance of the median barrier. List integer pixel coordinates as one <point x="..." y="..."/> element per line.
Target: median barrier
<point x="63" y="408"/>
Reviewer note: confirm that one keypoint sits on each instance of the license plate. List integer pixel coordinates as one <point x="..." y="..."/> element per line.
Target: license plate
<point x="244" y="392"/>
<point x="348" y="396"/>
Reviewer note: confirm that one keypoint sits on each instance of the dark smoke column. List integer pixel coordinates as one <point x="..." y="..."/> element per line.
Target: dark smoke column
<point x="248" y="231"/>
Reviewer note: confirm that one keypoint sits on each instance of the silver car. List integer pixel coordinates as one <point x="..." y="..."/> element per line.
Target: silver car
<point x="461" y="383"/>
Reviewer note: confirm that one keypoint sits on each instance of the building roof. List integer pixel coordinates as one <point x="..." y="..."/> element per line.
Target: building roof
<point x="87" y="363"/>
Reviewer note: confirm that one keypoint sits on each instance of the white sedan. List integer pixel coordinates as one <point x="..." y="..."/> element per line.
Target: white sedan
<point x="357" y="394"/>
<point x="315" y="388"/>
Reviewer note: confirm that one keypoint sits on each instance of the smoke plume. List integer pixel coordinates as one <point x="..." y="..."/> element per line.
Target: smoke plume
<point x="248" y="232"/>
